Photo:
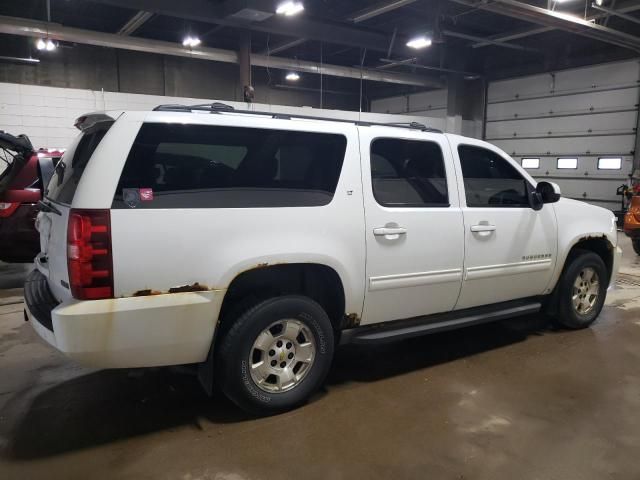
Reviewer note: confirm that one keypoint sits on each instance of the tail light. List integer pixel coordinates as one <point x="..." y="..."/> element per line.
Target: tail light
<point x="7" y="208"/>
<point x="89" y="254"/>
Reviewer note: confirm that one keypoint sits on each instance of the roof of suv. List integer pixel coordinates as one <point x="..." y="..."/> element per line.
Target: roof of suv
<point x="221" y="108"/>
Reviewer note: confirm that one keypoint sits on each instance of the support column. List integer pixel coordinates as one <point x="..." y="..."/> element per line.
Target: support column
<point x="244" y="60"/>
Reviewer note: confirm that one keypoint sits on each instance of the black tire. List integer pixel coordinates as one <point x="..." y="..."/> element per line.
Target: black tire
<point x="567" y="316"/>
<point x="636" y="245"/>
<point x="236" y="349"/>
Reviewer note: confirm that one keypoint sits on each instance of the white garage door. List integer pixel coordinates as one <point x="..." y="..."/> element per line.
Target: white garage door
<point x="574" y="127"/>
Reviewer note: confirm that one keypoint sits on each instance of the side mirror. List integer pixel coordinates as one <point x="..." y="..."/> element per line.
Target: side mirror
<point x="549" y="192"/>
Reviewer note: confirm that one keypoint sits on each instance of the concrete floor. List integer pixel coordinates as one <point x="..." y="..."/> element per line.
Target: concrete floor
<point x="493" y="402"/>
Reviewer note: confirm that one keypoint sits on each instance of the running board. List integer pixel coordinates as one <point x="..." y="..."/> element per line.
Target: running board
<point x="415" y="327"/>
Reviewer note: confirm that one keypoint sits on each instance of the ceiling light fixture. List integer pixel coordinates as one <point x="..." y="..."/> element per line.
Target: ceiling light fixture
<point x="289" y="8"/>
<point x="292" y="77"/>
<point x="191" y="42"/>
<point x="47" y="44"/>
<point x="419" y="42"/>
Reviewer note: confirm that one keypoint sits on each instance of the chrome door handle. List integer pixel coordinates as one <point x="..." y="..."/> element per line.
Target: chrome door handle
<point x="384" y="231"/>
<point x="483" y="228"/>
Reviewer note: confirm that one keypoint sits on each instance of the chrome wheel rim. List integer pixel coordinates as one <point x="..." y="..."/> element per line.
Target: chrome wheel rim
<point x="586" y="290"/>
<point x="282" y="356"/>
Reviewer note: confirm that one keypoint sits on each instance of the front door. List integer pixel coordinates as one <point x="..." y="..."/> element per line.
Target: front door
<point x="414" y="230"/>
<point x="510" y="249"/>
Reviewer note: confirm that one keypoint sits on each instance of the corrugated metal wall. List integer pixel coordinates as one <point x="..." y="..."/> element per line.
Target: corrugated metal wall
<point x="586" y="113"/>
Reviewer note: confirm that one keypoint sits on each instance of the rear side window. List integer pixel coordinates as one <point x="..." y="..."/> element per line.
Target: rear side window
<point x="490" y="180"/>
<point x="201" y="166"/>
<point x="408" y="173"/>
<point x="69" y="169"/>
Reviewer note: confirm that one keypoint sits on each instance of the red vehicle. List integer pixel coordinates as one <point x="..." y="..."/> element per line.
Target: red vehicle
<point x="23" y="175"/>
<point x="632" y="223"/>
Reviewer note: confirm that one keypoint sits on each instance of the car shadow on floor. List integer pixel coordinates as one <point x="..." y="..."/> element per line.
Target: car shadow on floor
<point x="111" y="405"/>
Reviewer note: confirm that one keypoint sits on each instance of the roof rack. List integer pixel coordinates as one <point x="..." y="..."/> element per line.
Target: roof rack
<point x="218" y="107"/>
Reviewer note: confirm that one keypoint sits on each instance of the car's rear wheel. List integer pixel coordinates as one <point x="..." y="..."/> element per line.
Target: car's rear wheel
<point x="276" y="354"/>
<point x="636" y="245"/>
<point x="582" y="290"/>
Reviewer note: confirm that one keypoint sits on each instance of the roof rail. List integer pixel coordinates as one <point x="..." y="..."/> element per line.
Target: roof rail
<point x="218" y="107"/>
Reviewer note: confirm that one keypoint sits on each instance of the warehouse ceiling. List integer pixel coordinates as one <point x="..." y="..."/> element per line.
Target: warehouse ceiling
<point x="494" y="39"/>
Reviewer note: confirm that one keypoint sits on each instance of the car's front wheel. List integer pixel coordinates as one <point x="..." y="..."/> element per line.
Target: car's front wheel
<point x="582" y="290"/>
<point x="636" y="245"/>
<point x="276" y="354"/>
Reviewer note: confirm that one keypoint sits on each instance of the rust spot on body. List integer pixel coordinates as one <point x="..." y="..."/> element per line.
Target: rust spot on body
<point x="146" y="292"/>
<point x="351" y="320"/>
<point x="196" y="287"/>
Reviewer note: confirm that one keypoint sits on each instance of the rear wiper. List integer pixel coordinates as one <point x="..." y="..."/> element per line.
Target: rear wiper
<point x="48" y="207"/>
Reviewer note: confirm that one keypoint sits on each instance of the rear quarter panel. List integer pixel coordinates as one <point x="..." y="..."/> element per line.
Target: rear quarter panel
<point x="157" y="249"/>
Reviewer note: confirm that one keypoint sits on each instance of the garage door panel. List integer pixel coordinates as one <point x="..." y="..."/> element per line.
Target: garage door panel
<point x="586" y="164"/>
<point x="603" y="123"/>
<point x="619" y="144"/>
<point x="611" y="100"/>
<point x="599" y="76"/>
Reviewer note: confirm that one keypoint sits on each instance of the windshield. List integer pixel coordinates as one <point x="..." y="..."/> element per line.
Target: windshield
<point x="69" y="169"/>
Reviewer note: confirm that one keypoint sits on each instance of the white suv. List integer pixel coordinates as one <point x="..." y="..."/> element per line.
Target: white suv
<point x="252" y="244"/>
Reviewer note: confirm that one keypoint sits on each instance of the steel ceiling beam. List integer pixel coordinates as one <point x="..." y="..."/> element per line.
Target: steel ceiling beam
<point x="135" y="22"/>
<point x="379" y="9"/>
<point x="558" y="20"/>
<point x="300" y="27"/>
<point x="356" y="17"/>
<point x="629" y="7"/>
<point x="616" y="13"/>
<point x="498" y="43"/>
<point x="34" y="28"/>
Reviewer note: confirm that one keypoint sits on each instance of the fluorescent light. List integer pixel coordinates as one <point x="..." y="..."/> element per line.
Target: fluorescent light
<point x="530" y="163"/>
<point x="609" y="163"/>
<point x="191" y="41"/>
<point x="567" y="163"/>
<point x="292" y="77"/>
<point x="419" y="42"/>
<point x="41" y="45"/>
<point x="289" y="8"/>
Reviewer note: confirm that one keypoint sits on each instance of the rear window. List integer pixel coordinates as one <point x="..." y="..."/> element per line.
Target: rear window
<point x="69" y="169"/>
<point x="200" y="166"/>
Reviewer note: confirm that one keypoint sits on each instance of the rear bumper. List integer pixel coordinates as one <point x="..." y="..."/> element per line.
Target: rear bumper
<point x="171" y="329"/>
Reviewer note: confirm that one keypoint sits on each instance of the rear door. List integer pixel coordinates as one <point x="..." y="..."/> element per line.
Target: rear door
<point x="414" y="232"/>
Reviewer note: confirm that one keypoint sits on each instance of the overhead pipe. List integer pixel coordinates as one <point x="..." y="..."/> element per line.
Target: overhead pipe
<point x="34" y="28"/>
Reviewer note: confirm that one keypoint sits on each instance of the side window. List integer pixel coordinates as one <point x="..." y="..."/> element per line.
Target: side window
<point x="490" y="180"/>
<point x="201" y="166"/>
<point x="408" y="173"/>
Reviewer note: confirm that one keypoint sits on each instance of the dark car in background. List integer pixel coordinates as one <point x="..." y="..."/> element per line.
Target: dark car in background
<point x="24" y="173"/>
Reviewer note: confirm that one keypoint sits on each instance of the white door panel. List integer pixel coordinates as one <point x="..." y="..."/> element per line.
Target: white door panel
<point x="414" y="254"/>
<point x="510" y="250"/>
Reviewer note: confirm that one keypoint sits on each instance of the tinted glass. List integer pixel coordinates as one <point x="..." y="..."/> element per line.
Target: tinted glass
<point x="490" y="180"/>
<point x="69" y="169"/>
<point x="199" y="166"/>
<point x="408" y="173"/>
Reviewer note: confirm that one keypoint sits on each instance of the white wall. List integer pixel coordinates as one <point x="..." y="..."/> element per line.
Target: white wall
<point x="432" y="104"/>
<point x="47" y="114"/>
<point x="586" y="113"/>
